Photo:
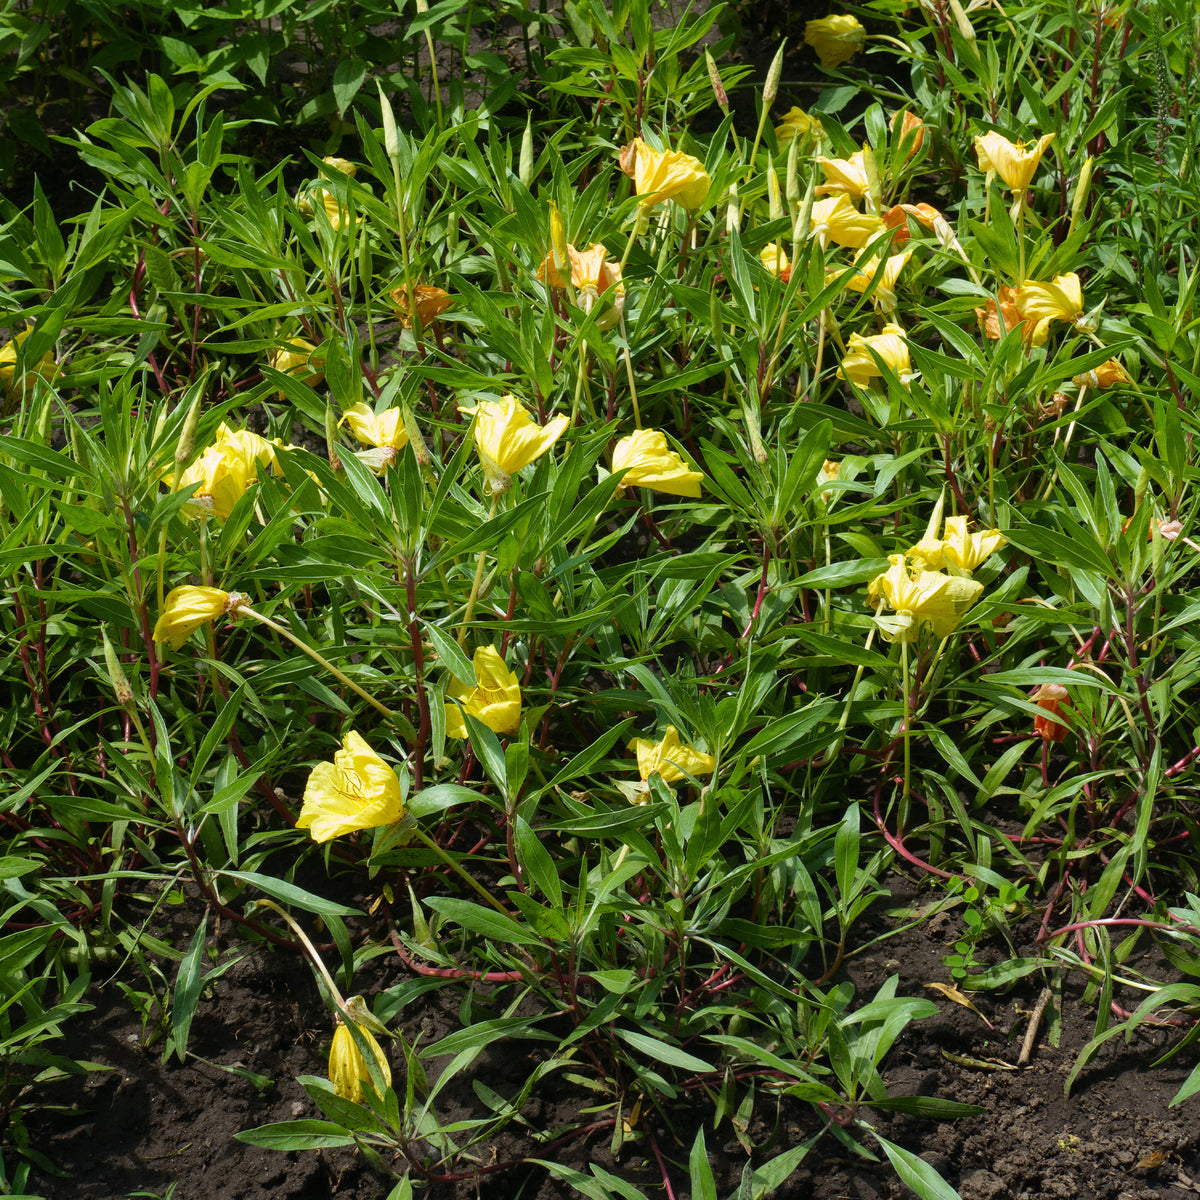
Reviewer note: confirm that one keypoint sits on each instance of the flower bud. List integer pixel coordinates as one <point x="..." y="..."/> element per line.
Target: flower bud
<point x="714" y="77"/>
<point x="525" y="167"/>
<point x="116" y="673"/>
<point x="1083" y="187"/>
<point x="773" y="75"/>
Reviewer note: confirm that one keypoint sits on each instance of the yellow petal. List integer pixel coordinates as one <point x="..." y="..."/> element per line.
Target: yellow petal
<point x="347" y="1067"/>
<point x="671" y="758"/>
<point x="660" y="175"/>
<point x="1015" y="163"/>
<point x="649" y="462"/>
<point x="508" y="438"/>
<point x="185" y="609"/>
<point x="925" y="598"/>
<point x="836" y="39"/>
<point x="358" y="790"/>
<point x="860" y="365"/>
<point x="372" y="429"/>
<point x="495" y="699"/>
<point x="968" y="550"/>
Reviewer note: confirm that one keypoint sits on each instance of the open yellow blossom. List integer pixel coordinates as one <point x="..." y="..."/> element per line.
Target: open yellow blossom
<point x="377" y="429"/>
<point x="1015" y="163"/>
<point x="507" y="437"/>
<point x="884" y="270"/>
<point x="836" y="39"/>
<point x="348" y="1069"/>
<point x="186" y="608"/>
<point x="795" y="123"/>
<point x="848" y="175"/>
<point x="671" y="758"/>
<point x="495" y="698"/>
<point x="430" y="303"/>
<point x="358" y="790"/>
<point x="1107" y="374"/>
<point x="920" y="599"/>
<point x="16" y="387"/>
<point x="775" y="259"/>
<point x="660" y="175"/>
<point x="649" y="462"/>
<point x="860" y="366"/>
<point x="968" y="550"/>
<point x="836" y="219"/>
<point x="299" y="358"/>
<point x="1061" y="299"/>
<point x="224" y="471"/>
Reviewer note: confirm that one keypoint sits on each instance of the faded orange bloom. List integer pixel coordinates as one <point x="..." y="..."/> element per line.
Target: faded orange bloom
<point x="431" y="302"/>
<point x="908" y="124"/>
<point x="897" y="216"/>
<point x="1051" y="697"/>
<point x="989" y="316"/>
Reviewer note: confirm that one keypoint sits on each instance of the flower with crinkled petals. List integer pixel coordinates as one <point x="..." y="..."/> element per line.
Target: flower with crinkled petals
<point x="495" y="698"/>
<point x="224" y="471"/>
<point x="836" y="219"/>
<point x="848" y="175"/>
<point x="507" y="437"/>
<point x="920" y="599"/>
<point x="795" y="123"/>
<point x="430" y="303"/>
<point x="660" y="175"/>
<point x="593" y="273"/>
<point x="896" y="218"/>
<point x="1051" y="697"/>
<point x="886" y="271"/>
<point x="186" y="608"/>
<point x="860" y="365"/>
<point x="1015" y="163"/>
<point x="671" y="758"/>
<point x="1107" y="374"/>
<point x="908" y="129"/>
<point x="348" y="1069"/>
<point x="989" y="316"/>
<point x="836" y="39"/>
<point x="377" y="429"/>
<point x="1061" y="299"/>
<point x="649" y="462"/>
<point x="358" y="790"/>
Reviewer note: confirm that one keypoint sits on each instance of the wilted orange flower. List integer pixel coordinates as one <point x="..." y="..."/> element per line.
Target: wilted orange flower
<point x="836" y="39"/>
<point x="989" y="316"/>
<point x="592" y="274"/>
<point x="1051" y="697"/>
<point x="897" y="216"/>
<point x="907" y="126"/>
<point x="431" y="302"/>
<point x="1107" y="374"/>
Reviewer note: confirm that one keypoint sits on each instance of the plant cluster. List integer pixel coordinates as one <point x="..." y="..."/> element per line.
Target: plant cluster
<point x="599" y="543"/>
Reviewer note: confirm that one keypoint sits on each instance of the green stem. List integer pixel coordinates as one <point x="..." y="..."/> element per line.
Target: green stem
<point x="465" y="875"/>
<point x="474" y="596"/>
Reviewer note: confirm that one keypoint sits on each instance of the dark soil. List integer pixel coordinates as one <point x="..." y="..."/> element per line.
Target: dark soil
<point x="145" y="1125"/>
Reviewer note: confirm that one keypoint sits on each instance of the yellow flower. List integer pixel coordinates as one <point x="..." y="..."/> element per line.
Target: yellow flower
<point x="495" y="699"/>
<point x="775" y="259"/>
<point x="653" y="464"/>
<point x="886" y="271"/>
<point x="300" y="358"/>
<point x="1040" y="303"/>
<point x="347" y="1067"/>
<point x="186" y="608"/>
<point x="431" y="302"/>
<point x="660" y="175"/>
<point x="920" y="598"/>
<point x="341" y="164"/>
<point x="848" y="175"/>
<point x="1107" y="374"/>
<point x="967" y="550"/>
<point x="1015" y="164"/>
<point x="224" y="471"/>
<point x="377" y="429"/>
<point x="358" y="790"/>
<point x="508" y="439"/>
<point x="19" y="388"/>
<point x="836" y="219"/>
<point x="334" y="209"/>
<point x="836" y="39"/>
<point x="795" y="123"/>
<point x="860" y="366"/>
<point x="671" y="758"/>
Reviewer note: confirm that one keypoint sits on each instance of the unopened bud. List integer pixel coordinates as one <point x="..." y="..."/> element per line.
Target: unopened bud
<point x="558" y="240"/>
<point x="714" y="77"/>
<point x="525" y="163"/>
<point x="773" y="75"/>
<point x="331" y="427"/>
<point x="116" y="673"/>
<point x="1082" y="189"/>
<point x="186" y="446"/>
<point x="391" y="141"/>
<point x="731" y="210"/>
<point x="773" y="197"/>
<point x="964" y="25"/>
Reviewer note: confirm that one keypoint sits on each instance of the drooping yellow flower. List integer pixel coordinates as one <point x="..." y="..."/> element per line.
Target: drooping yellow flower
<point x="507" y="437"/>
<point x="186" y="608"/>
<point x="848" y="175"/>
<point x="836" y="39"/>
<point x="340" y="164"/>
<point x="430" y="302"/>
<point x="377" y="429"/>
<point x="495" y="698"/>
<point x="347" y="1067"/>
<point x="15" y="388"/>
<point x="836" y="219"/>
<point x="358" y="790"/>
<point x="300" y="358"/>
<point x="1061" y="299"/>
<point x="1107" y="374"/>
<point x="653" y="464"/>
<point x="671" y="758"/>
<point x="660" y="175"/>
<point x="860" y="365"/>
<point x="920" y="599"/>
<point x="886" y="271"/>
<point x="1014" y="163"/>
<point x="795" y="123"/>
<point x="224" y="471"/>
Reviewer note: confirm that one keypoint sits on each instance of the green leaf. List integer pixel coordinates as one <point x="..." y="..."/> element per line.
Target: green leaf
<point x="289" y="893"/>
<point x="297" y="1135"/>
<point x="189" y="980"/>
<point x="347" y="80"/>
<point x="663" y="1052"/>
<point x="486" y="922"/>
<point x="913" y="1171"/>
